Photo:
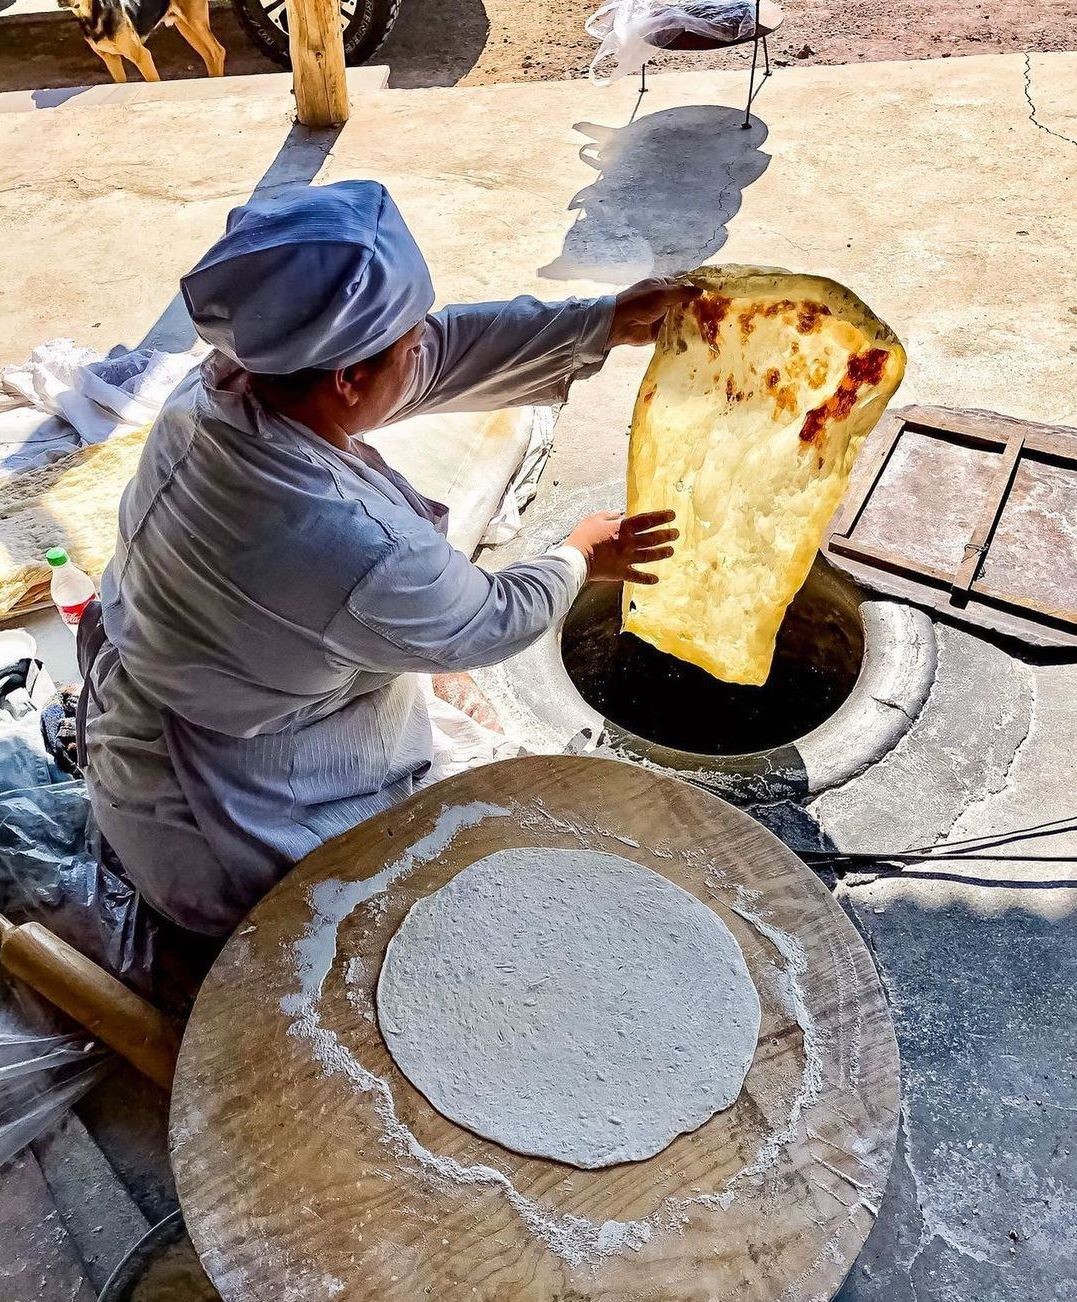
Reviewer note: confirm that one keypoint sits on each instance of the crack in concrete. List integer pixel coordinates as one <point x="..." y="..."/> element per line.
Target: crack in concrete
<point x="1027" y="1105"/>
<point x="930" y="1229"/>
<point x="1032" y="112"/>
<point x="903" y="1144"/>
<point x="709" y="245"/>
<point x="803" y="248"/>
<point x="932" y="1226"/>
<point x="1004" y="779"/>
<point x="707" y="248"/>
<point x="895" y="705"/>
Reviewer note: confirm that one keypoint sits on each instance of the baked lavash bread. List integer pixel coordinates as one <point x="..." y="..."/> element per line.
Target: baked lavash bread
<point x="758" y="398"/>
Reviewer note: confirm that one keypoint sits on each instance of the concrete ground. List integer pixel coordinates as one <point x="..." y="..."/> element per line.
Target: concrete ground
<point x="940" y="201"/>
<point x="980" y="963"/>
<point x="946" y="202"/>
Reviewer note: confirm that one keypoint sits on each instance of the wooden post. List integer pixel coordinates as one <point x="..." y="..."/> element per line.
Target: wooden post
<point x="316" y="43"/>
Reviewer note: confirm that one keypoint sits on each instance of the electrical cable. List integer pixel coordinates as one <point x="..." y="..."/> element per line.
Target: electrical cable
<point x="976" y="849"/>
<point x="970" y="849"/>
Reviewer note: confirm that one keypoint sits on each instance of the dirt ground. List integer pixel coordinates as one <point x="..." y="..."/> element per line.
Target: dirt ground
<point x="445" y="42"/>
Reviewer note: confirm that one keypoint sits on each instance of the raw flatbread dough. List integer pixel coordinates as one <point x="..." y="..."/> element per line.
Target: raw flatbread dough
<point x="757" y="400"/>
<point x="569" y="1004"/>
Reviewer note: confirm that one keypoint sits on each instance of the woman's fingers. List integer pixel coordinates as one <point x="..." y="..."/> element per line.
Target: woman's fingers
<point x="648" y="520"/>
<point x="655" y="537"/>
<point x="632" y="575"/>
<point x="615" y="547"/>
<point x="684" y="293"/>
<point x="648" y="541"/>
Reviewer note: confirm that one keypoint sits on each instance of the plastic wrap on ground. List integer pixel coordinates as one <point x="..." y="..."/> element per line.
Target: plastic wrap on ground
<point x="41" y="1075"/>
<point x="50" y="872"/>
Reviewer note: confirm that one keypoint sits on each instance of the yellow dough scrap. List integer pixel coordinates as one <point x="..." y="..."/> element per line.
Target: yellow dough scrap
<point x="752" y="411"/>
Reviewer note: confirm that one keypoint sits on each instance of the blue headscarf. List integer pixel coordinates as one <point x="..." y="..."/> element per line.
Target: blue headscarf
<point x="326" y="277"/>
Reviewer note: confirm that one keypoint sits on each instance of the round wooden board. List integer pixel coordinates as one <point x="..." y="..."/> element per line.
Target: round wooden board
<point x="296" y="1186"/>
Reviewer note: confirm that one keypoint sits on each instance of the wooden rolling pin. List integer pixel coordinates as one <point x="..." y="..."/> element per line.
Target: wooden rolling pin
<point x="109" y="1011"/>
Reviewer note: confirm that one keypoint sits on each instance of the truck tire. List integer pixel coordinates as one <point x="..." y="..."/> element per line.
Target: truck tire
<point x="366" y="24"/>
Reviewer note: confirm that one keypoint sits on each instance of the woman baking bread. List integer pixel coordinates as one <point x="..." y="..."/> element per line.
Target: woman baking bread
<point x="276" y="586"/>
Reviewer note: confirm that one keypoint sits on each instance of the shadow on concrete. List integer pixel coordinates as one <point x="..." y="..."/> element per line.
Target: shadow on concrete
<point x="979" y="1200"/>
<point x="46" y="99"/>
<point x="667" y="186"/>
<point x="297" y="163"/>
<point x="435" y="43"/>
<point x="884" y="872"/>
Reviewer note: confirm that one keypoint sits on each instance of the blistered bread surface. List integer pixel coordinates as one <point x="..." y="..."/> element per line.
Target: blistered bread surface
<point x="759" y="396"/>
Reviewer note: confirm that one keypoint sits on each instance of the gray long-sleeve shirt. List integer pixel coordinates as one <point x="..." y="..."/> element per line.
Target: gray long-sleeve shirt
<point x="269" y="602"/>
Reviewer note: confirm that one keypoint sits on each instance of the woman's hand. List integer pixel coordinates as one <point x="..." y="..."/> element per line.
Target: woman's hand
<point x="461" y="691"/>
<point x="614" y="545"/>
<point x="640" y="310"/>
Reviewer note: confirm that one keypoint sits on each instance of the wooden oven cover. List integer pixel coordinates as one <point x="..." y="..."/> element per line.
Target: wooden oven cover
<point x="970" y="513"/>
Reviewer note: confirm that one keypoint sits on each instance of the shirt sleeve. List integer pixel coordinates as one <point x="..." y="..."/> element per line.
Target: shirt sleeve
<point x="484" y="356"/>
<point x="426" y="608"/>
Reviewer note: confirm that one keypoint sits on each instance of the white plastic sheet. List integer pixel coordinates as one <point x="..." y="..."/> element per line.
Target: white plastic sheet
<point x="41" y="1076"/>
<point x="461" y="742"/>
<point x="482" y="466"/>
<point x="631" y="30"/>
<point x="506" y="523"/>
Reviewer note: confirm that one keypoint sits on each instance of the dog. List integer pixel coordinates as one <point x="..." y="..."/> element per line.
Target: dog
<point x="118" y="29"/>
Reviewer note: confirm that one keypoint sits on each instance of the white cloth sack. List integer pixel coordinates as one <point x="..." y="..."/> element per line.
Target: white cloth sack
<point x="506" y="523"/>
<point x="66" y="397"/>
<point x="630" y="30"/>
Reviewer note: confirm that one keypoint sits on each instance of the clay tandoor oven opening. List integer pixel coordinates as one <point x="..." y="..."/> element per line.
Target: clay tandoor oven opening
<point x="664" y="700"/>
